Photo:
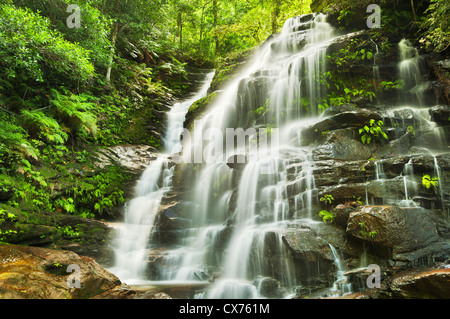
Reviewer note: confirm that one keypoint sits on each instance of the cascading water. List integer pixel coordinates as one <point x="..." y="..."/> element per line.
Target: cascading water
<point x="275" y="89"/>
<point x="238" y="214"/>
<point x="131" y="242"/>
<point x="409" y="69"/>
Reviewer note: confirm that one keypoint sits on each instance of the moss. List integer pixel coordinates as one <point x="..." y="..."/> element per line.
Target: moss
<point x="200" y="106"/>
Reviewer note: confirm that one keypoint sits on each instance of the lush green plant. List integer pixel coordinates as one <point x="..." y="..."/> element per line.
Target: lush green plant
<point x="326" y="216"/>
<point x="410" y="129"/>
<point x="387" y="85"/>
<point x="435" y="26"/>
<point x="6" y="216"/>
<point x="428" y="182"/>
<point x="76" y="112"/>
<point x="365" y="233"/>
<point x="41" y="126"/>
<point x="327" y="198"/>
<point x="28" y="44"/>
<point x="372" y="131"/>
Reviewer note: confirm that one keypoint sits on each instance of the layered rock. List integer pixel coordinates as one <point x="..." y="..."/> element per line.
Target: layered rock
<point x="40" y="273"/>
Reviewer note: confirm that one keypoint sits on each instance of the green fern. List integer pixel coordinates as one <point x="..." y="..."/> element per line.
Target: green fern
<point x="13" y="141"/>
<point x="76" y="113"/>
<point x="43" y="127"/>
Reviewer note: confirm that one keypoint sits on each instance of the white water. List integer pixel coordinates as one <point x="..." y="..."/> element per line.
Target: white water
<point x="283" y="77"/>
<point x="131" y="242"/>
<point x="341" y="285"/>
<point x="409" y="68"/>
<point x="288" y="73"/>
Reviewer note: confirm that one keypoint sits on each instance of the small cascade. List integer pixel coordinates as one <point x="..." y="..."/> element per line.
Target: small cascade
<point x="410" y="186"/>
<point x="131" y="242"/>
<point x="341" y="285"/>
<point x="131" y="245"/>
<point x="375" y="68"/>
<point x="438" y="174"/>
<point x="409" y="69"/>
<point x="307" y="191"/>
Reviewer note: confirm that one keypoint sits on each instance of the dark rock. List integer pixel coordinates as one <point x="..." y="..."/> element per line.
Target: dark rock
<point x="409" y="232"/>
<point x="305" y="245"/>
<point x="349" y="119"/>
<point x="421" y="284"/>
<point x="440" y="114"/>
<point x="343" y="144"/>
<point x="237" y="161"/>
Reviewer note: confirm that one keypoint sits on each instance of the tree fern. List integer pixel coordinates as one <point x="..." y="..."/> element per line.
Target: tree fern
<point x="41" y="126"/>
<point x="14" y="142"/>
<point x="76" y="113"/>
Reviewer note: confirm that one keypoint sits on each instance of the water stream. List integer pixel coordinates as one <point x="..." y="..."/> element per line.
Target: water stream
<point x="131" y="242"/>
<point x="238" y="217"/>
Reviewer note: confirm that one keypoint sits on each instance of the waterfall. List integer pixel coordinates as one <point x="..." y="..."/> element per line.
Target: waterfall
<point x="279" y="87"/>
<point x="131" y="242"/>
<point x="409" y="69"/>
<point x="341" y="285"/>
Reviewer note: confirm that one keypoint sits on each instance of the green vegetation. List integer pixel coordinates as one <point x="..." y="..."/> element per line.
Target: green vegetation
<point x="373" y="131"/>
<point x="327" y="198"/>
<point x="326" y="216"/>
<point x="428" y="182"/>
<point x="435" y="26"/>
<point x="365" y="232"/>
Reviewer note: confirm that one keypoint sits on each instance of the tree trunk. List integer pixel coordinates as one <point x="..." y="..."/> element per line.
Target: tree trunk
<point x="115" y="33"/>
<point x="216" y="38"/>
<point x="413" y="11"/>
<point x="275" y="13"/>
<point x="180" y="28"/>
<point x="113" y="49"/>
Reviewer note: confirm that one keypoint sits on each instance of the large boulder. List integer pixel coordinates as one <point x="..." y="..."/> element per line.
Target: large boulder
<point x="421" y="284"/>
<point x="440" y="114"/>
<point x="40" y="273"/>
<point x="409" y="233"/>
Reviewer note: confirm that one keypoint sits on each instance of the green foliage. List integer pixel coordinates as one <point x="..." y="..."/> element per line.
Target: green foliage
<point x="410" y="129"/>
<point x="30" y="49"/>
<point x="75" y="111"/>
<point x="327" y="198"/>
<point x="43" y="127"/>
<point x="5" y="217"/>
<point x="388" y="85"/>
<point x="326" y="216"/>
<point x="364" y="231"/>
<point x="428" y="182"/>
<point x="372" y="131"/>
<point x="435" y="26"/>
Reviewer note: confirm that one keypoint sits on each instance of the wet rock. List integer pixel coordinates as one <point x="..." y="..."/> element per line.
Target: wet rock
<point x="40" y="273"/>
<point x="440" y="114"/>
<point x="409" y="232"/>
<point x="133" y="157"/>
<point x="342" y="144"/>
<point x="268" y="287"/>
<point x="421" y="284"/>
<point x="339" y="120"/>
<point x="304" y="244"/>
<point x="237" y="161"/>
